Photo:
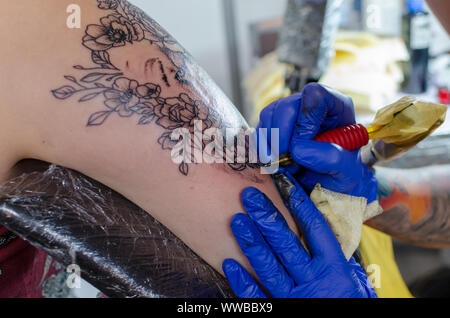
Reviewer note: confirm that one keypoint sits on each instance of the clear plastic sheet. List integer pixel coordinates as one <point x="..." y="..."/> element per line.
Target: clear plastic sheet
<point x="120" y="248"/>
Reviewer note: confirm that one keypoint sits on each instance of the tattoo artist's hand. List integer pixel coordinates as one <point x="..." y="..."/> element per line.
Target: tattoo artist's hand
<point x="282" y="264"/>
<point x="300" y="118"/>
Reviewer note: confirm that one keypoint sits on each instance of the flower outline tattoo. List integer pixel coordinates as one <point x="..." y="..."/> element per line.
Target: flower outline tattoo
<point x="124" y="25"/>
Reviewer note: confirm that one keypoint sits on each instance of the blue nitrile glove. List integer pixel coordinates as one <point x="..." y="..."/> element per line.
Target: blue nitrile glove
<point x="304" y="115"/>
<point x="300" y="118"/>
<point x="282" y="264"/>
<point x="335" y="168"/>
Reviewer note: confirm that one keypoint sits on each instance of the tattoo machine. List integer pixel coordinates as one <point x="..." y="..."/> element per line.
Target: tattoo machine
<point x="396" y="128"/>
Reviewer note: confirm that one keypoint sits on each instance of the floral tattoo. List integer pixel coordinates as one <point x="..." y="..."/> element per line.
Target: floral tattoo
<point x="124" y="25"/>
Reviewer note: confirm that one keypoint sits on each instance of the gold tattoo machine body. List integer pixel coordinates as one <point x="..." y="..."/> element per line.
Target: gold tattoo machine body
<point x="395" y="129"/>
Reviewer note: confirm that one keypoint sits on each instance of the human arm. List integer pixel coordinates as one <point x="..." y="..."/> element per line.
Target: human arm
<point x="103" y="100"/>
<point x="416" y="201"/>
<point x="416" y="204"/>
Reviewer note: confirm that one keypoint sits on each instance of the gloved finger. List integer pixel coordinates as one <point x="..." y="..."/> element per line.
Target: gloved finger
<point x="284" y="118"/>
<point x="336" y="169"/>
<point x="359" y="271"/>
<point x="309" y="179"/>
<point x="321" y="241"/>
<point x="292" y="168"/>
<point x="362" y="278"/>
<point x="268" y="269"/>
<point x="322" y="109"/>
<point x="368" y="185"/>
<point x="324" y="157"/>
<point x="241" y="282"/>
<point x="275" y="230"/>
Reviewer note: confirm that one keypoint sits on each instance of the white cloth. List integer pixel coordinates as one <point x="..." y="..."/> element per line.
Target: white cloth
<point x="345" y="214"/>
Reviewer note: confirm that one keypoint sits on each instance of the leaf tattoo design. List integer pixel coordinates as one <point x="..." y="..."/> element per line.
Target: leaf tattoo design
<point x="125" y="24"/>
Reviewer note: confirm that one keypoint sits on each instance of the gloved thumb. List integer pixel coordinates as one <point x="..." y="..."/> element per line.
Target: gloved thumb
<point x="322" y="109"/>
<point x="320" y="157"/>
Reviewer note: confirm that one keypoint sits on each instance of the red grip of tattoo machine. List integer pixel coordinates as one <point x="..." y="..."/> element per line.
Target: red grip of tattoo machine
<point x="350" y="137"/>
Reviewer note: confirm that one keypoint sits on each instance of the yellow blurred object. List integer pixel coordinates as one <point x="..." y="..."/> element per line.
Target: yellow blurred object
<point x="266" y="84"/>
<point x="348" y="45"/>
<point x="366" y="68"/>
<point x="358" y="39"/>
<point x="378" y="257"/>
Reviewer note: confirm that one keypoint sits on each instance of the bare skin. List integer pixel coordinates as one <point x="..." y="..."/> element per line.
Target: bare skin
<point x="416" y="205"/>
<point x="38" y="120"/>
<point x="58" y="119"/>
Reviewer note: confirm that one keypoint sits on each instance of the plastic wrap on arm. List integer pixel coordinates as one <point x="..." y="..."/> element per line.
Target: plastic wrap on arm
<point x="120" y="249"/>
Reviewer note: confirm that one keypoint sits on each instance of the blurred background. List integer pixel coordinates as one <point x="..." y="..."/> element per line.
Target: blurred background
<point x="382" y="50"/>
<point x="233" y="40"/>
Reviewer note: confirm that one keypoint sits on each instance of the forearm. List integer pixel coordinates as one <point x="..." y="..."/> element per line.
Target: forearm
<point x="111" y="116"/>
<point x="416" y="205"/>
